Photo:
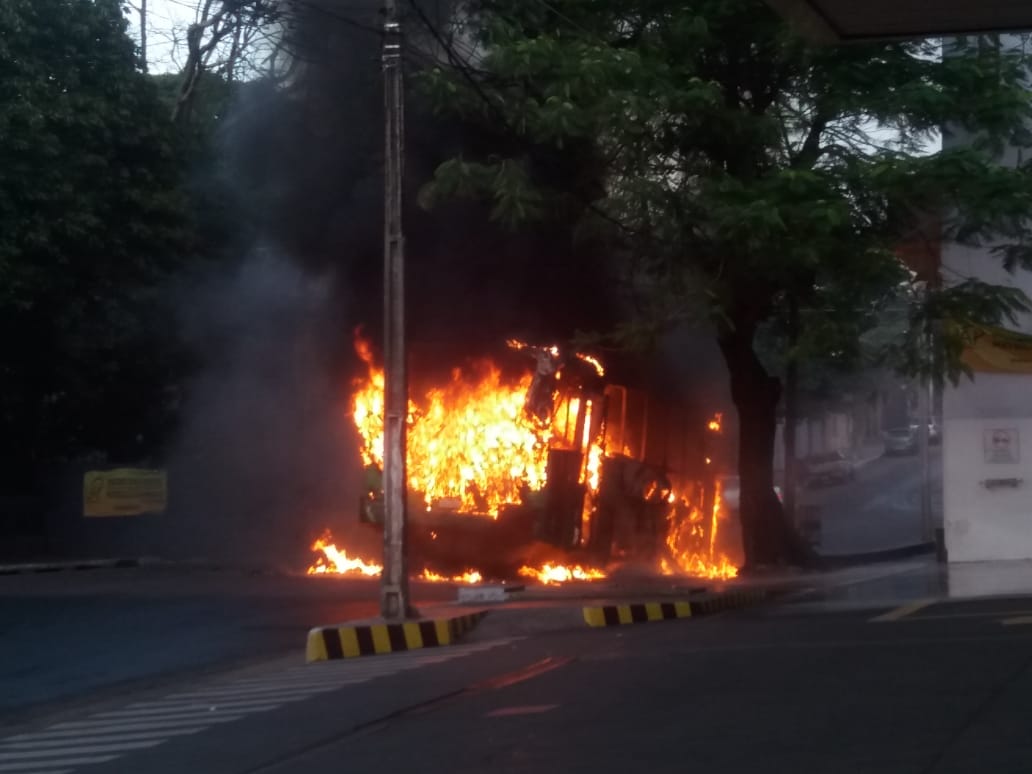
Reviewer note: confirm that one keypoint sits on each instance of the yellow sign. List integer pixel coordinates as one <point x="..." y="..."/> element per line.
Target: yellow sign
<point x="124" y="492"/>
<point x="999" y="351"/>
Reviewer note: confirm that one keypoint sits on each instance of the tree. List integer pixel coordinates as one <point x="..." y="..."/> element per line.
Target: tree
<point x="92" y="218"/>
<point x="234" y="40"/>
<point x="742" y="170"/>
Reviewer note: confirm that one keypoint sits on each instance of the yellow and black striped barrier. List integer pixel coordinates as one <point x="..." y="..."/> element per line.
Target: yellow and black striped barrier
<point x="647" y="612"/>
<point x="616" y="615"/>
<point x="728" y="600"/>
<point x="353" y="640"/>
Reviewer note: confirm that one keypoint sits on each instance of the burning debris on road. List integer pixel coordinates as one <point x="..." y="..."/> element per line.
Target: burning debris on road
<point x="561" y="574"/>
<point x="334" y="561"/>
<point x="549" y="476"/>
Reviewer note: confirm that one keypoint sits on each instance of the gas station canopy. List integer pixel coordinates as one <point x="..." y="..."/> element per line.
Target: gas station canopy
<point x="849" y="20"/>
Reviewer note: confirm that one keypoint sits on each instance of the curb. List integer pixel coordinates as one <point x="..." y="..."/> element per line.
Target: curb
<point x="648" y="612"/>
<point x="838" y="561"/>
<point x="326" y="643"/>
<point x="86" y="564"/>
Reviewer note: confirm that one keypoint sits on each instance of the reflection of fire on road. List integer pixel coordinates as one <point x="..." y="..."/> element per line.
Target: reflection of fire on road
<point x="500" y="469"/>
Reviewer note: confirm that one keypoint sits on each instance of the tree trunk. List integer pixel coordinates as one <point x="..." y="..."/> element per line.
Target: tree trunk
<point x="767" y="537"/>
<point x="791" y="413"/>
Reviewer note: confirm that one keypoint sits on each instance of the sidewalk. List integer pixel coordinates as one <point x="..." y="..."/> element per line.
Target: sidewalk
<point x="911" y="580"/>
<point x="66" y="565"/>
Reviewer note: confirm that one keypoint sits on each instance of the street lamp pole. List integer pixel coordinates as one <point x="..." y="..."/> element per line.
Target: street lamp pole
<point x="924" y="410"/>
<point x="394" y="592"/>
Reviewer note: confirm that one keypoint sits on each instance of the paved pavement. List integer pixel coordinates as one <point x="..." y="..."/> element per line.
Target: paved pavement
<point x="73" y="634"/>
<point x="908" y="685"/>
<point x="879" y="510"/>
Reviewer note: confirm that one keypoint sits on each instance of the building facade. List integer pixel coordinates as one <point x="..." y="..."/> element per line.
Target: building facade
<point x="987" y="422"/>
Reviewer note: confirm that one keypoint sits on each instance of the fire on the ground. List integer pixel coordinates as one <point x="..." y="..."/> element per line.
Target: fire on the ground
<point x="480" y="446"/>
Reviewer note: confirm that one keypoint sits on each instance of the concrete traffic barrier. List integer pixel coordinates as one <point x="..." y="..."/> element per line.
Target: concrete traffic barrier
<point x="648" y="612"/>
<point x="488" y="593"/>
<point x="351" y="640"/>
<point x="640" y="612"/>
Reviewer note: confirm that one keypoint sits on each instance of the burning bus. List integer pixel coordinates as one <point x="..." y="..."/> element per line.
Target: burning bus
<point x="554" y="474"/>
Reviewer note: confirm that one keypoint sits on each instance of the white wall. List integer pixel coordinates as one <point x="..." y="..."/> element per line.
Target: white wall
<point x="982" y="523"/>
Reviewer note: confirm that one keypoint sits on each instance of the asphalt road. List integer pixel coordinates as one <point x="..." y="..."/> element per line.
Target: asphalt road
<point x="70" y="635"/>
<point x="879" y="510"/>
<point x="934" y="688"/>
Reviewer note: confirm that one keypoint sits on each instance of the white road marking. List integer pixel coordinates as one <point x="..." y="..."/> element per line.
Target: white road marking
<point x="59" y="738"/>
<point x="148" y="724"/>
<point x="25" y="766"/>
<point x="244" y="692"/>
<point x="84" y="750"/>
<point x="207" y="706"/>
<point x="199" y="715"/>
<point x="307" y="678"/>
<point x="225" y="698"/>
<point x="903" y="611"/>
<point x="152" y="723"/>
<point x="349" y="675"/>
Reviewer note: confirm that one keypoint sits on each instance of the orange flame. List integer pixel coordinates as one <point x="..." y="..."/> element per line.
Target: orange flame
<point x="692" y="551"/>
<point x="471" y="446"/>
<point x="469" y="576"/>
<point x="717" y="423"/>
<point x="593" y="362"/>
<point x="593" y="467"/>
<point x="557" y="573"/>
<point x="337" y="562"/>
<point x="698" y="566"/>
<point x="469" y="442"/>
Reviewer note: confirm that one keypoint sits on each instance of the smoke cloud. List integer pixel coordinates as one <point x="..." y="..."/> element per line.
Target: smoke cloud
<point x="266" y="458"/>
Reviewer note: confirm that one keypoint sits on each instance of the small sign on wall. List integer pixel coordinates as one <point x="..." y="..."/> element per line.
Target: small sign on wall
<point x="1000" y="446"/>
<point x="124" y="492"/>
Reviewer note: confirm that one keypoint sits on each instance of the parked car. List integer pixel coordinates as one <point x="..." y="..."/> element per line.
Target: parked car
<point x="934" y="434"/>
<point x="829" y="467"/>
<point x="901" y="440"/>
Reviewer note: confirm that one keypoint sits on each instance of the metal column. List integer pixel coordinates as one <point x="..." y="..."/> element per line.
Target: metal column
<point x="394" y="592"/>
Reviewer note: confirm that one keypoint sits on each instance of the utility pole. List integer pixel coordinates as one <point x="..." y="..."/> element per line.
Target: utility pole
<point x="394" y="592"/>
<point x="924" y="413"/>
<point x="924" y="410"/>
<point x="143" y="35"/>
